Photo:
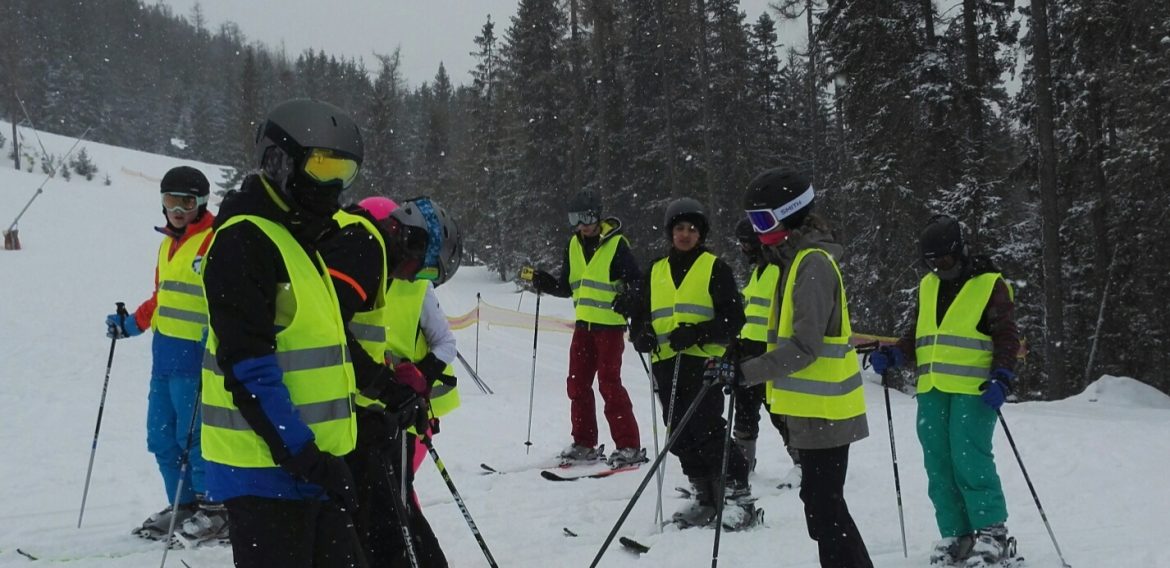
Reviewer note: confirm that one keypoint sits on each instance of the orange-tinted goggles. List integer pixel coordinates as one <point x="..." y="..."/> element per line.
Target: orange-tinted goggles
<point x="326" y="166"/>
<point x="181" y="202"/>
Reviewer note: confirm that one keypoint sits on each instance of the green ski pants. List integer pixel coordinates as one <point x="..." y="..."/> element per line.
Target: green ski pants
<point x="955" y="431"/>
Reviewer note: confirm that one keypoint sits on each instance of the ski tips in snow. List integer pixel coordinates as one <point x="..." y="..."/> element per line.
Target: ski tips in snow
<point x="568" y="532"/>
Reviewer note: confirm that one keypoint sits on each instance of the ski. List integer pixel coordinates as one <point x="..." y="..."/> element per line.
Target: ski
<point x="568" y="532"/>
<point x="26" y="555"/>
<point x="574" y="476"/>
<point x="558" y="464"/>
<point x="633" y="545"/>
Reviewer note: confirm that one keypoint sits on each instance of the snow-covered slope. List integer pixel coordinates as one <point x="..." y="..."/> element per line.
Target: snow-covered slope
<point x="1098" y="460"/>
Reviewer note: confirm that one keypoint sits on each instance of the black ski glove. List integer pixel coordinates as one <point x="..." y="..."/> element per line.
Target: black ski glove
<point x="542" y="281"/>
<point x="721" y="371"/>
<point x="686" y="336"/>
<point x="328" y="471"/>
<point x="643" y="339"/>
<point x="625" y="304"/>
<point x="411" y="411"/>
<point x="434" y="369"/>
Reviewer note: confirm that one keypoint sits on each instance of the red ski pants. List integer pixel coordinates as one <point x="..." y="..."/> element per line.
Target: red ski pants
<point x="599" y="352"/>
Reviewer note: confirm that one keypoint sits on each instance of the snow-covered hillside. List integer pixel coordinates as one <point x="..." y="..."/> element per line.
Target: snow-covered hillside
<point x="1098" y="460"/>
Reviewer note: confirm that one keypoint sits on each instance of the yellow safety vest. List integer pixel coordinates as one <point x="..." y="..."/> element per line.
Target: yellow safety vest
<point x="405" y="339"/>
<point x="954" y="356"/>
<point x="830" y="387"/>
<point x="311" y="352"/>
<point x="182" y="309"/>
<point x="593" y="291"/>
<point x="369" y="327"/>
<point x="689" y="303"/>
<point x="758" y="298"/>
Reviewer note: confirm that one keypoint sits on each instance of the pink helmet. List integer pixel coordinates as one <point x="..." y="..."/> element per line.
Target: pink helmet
<point x="379" y="207"/>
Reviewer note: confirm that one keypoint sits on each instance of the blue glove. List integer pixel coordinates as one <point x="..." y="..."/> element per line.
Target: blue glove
<point x="997" y="388"/>
<point x="121" y="327"/>
<point x="886" y="358"/>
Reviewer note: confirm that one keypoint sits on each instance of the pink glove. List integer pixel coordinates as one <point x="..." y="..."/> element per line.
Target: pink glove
<point x="409" y="375"/>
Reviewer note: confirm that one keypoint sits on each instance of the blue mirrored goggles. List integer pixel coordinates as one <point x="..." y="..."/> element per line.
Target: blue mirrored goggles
<point x="583" y="218"/>
<point x="763" y="220"/>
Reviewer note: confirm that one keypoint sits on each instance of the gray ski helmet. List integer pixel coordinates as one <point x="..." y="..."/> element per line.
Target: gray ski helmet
<point x="407" y="237"/>
<point x="451" y="251"/>
<point x="283" y="143"/>
<point x="685" y="209"/>
<point x="787" y="194"/>
<point x="942" y="236"/>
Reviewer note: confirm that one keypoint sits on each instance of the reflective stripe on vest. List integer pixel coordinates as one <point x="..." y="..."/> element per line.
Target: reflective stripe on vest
<point x="311" y="352"/>
<point x="593" y="291"/>
<point x="405" y="340"/>
<point x="369" y="327"/>
<point x="953" y="356"/>
<point x="689" y="303"/>
<point x="758" y="297"/>
<point x="182" y="310"/>
<point x="830" y="387"/>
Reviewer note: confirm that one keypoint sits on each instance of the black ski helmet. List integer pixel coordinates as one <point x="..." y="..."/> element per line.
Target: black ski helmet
<point x="784" y="190"/>
<point x="189" y="181"/>
<point x="585" y="201"/>
<point x="283" y="142"/>
<point x="689" y="210"/>
<point x="749" y="241"/>
<point x="745" y="234"/>
<point x="942" y="236"/>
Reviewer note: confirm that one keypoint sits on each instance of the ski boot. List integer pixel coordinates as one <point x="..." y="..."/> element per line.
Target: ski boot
<point x="155" y="527"/>
<point x="792" y="480"/>
<point x="951" y="550"/>
<point x="748" y="446"/>
<point x="575" y="454"/>
<point x="208" y="526"/>
<point x="699" y="510"/>
<point x="992" y="547"/>
<point x="623" y="457"/>
<point x="739" y="507"/>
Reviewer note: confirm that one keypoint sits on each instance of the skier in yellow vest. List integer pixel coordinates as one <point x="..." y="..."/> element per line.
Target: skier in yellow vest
<point x="177" y="313"/>
<point x="689" y="312"/>
<point x="813" y="370"/>
<point x="278" y="378"/>
<point x="376" y="261"/>
<point x="597" y="264"/>
<point x="963" y="343"/>
<point x="759" y="296"/>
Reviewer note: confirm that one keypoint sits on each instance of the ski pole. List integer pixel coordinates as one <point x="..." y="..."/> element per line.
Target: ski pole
<point x="478" y="302"/>
<point x="400" y="509"/>
<point x="474" y="375"/>
<point x="1031" y="488"/>
<point x="654" y="415"/>
<point x="532" y="386"/>
<point x="184" y="463"/>
<point x="101" y="409"/>
<point x="653" y="468"/>
<point x="721" y="491"/>
<point x="886" y="378"/>
<point x="426" y="440"/>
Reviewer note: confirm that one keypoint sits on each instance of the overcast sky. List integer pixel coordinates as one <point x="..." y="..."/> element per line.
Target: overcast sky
<point x="428" y="31"/>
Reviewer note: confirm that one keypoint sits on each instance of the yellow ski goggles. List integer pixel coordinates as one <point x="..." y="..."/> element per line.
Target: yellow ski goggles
<point x="327" y="166"/>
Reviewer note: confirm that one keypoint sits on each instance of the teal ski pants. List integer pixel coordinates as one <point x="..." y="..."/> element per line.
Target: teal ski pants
<point x="955" y="431"/>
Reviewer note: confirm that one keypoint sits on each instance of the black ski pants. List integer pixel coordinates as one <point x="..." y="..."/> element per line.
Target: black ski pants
<point x="748" y="401"/>
<point x="376" y="464"/>
<point x="822" y="490"/>
<point x="700" y="443"/>
<point x="290" y="533"/>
